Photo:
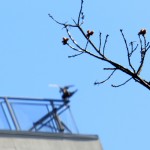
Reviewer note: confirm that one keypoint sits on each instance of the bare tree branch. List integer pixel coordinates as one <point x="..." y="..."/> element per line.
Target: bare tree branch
<point x="81" y="15"/>
<point x="75" y="55"/>
<point x="106" y="79"/>
<point x="67" y="30"/>
<point x="128" y="53"/>
<point x="86" y="45"/>
<point x="132" y="48"/>
<point x="100" y="41"/>
<point x="74" y="48"/>
<point x="109" y="68"/>
<point x="131" y="71"/>
<point x="105" y="44"/>
<point x="62" y="24"/>
<point x="122" y="83"/>
<point x="143" y="53"/>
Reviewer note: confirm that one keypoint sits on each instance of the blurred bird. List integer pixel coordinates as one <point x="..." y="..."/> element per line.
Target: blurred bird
<point x="64" y="90"/>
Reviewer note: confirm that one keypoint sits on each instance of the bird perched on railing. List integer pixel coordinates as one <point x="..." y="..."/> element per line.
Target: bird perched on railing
<point x="64" y="90"/>
<point x="65" y="93"/>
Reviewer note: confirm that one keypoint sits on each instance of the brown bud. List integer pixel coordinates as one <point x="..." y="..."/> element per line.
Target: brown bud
<point x="89" y="33"/>
<point x="142" y="32"/>
<point x="92" y="32"/>
<point x="65" y="40"/>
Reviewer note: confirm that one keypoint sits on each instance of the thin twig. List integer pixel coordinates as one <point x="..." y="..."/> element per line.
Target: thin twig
<point x="109" y="68"/>
<point x="141" y="42"/>
<point x="80" y="12"/>
<point x="128" y="53"/>
<point x="124" y="40"/>
<point x="145" y="42"/>
<point x="75" y="55"/>
<point x="74" y="48"/>
<point x="122" y="83"/>
<point x="67" y="30"/>
<point x="105" y="44"/>
<point x="135" y="48"/>
<point x="63" y="24"/>
<point x="106" y="79"/>
<point x="100" y="41"/>
<point x="132" y="48"/>
<point x="86" y="45"/>
<point x="143" y="54"/>
<point x="147" y="48"/>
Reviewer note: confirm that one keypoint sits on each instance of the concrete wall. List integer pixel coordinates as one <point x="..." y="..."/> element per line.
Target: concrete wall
<point x="12" y="140"/>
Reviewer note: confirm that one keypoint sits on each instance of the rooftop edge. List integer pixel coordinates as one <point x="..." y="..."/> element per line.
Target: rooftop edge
<point x="45" y="135"/>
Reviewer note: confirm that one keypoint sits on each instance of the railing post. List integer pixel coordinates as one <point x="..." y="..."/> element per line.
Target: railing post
<point x="12" y="114"/>
<point x="56" y="118"/>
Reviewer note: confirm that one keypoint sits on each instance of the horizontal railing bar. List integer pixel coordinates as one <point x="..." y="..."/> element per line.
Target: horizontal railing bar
<point x="33" y="99"/>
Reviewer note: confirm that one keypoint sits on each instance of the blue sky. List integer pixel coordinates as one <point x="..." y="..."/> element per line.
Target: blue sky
<point x="32" y="56"/>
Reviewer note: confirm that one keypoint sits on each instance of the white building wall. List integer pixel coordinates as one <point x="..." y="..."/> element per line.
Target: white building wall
<point x="43" y="141"/>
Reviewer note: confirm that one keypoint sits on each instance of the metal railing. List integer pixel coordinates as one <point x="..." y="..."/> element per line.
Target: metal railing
<point x="36" y="115"/>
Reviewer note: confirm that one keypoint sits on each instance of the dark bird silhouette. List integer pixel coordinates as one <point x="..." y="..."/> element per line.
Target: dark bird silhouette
<point x="66" y="94"/>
